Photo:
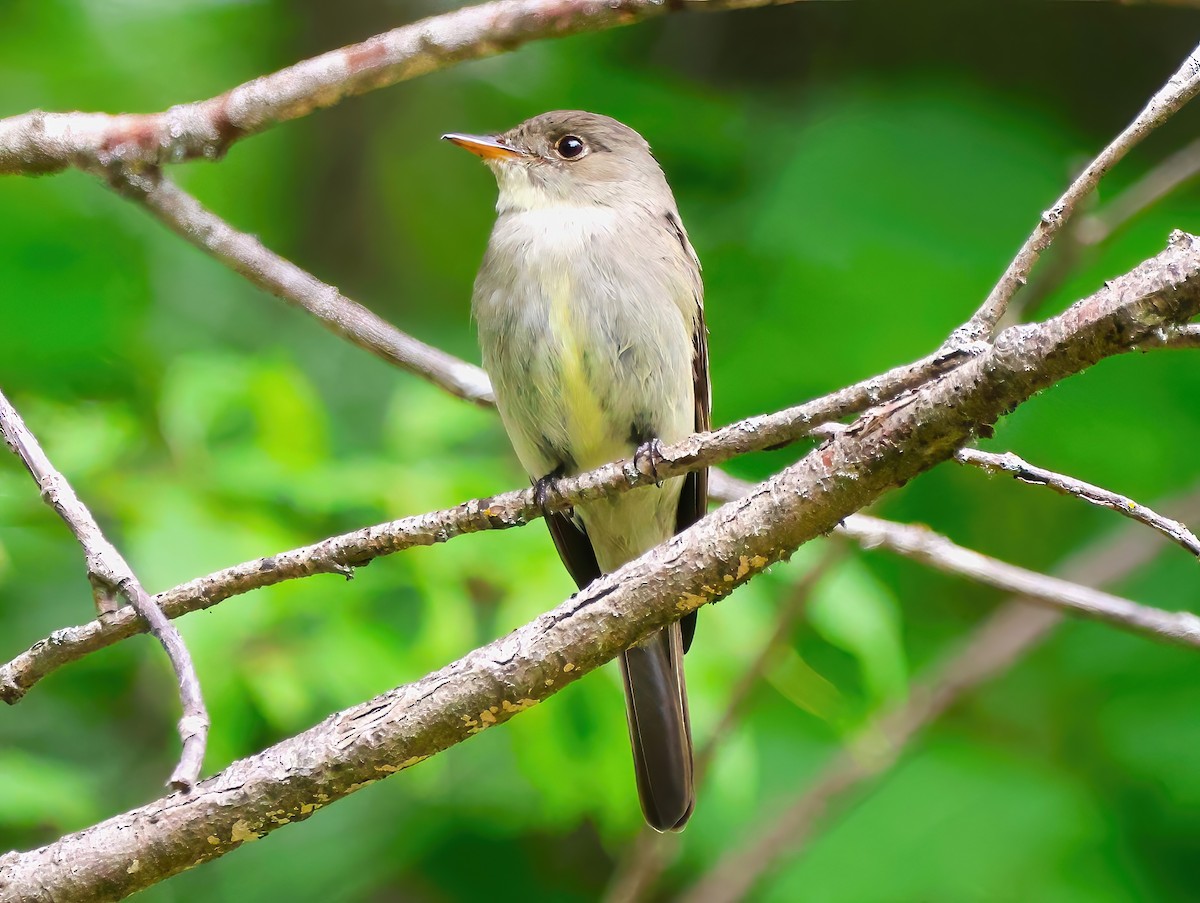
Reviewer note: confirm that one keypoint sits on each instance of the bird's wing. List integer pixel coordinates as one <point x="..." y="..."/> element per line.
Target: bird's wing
<point x="693" y="500"/>
<point x="574" y="548"/>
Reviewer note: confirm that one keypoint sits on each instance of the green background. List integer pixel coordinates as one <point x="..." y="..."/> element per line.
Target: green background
<point x="854" y="178"/>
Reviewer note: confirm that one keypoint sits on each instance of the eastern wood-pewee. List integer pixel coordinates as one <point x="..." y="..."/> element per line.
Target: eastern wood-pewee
<point x="589" y="305"/>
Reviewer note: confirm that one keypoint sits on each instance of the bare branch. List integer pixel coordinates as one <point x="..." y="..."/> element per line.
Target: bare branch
<point x="47" y="142"/>
<point x="110" y="575"/>
<point x="1007" y="635"/>
<point x="927" y="547"/>
<point x="245" y="254"/>
<point x="705" y="562"/>
<point x="1176" y="170"/>
<point x="1086" y="230"/>
<point x="1163" y="290"/>
<point x="1022" y="470"/>
<point x="1181" y="88"/>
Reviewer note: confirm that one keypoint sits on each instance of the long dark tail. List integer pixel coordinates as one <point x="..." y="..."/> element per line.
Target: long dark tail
<point x="660" y="728"/>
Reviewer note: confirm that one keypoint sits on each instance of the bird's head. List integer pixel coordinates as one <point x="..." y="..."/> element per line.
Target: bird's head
<point x="568" y="158"/>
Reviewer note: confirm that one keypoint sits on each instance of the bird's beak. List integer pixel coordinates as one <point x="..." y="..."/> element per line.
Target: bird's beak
<point x="484" y="146"/>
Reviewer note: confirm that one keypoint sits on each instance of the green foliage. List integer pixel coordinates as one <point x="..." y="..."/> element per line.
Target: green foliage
<point x="851" y="201"/>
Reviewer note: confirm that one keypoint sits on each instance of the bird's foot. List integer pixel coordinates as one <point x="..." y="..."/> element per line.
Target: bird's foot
<point x="651" y="452"/>
<point x="543" y="487"/>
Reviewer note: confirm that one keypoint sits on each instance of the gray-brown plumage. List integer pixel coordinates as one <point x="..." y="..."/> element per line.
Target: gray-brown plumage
<point x="590" y="313"/>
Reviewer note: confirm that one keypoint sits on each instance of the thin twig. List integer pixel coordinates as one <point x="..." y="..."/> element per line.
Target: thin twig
<point x="1174" y="171"/>
<point x="1181" y="88"/>
<point x="110" y="576"/>
<point x="1007" y="635"/>
<point x="919" y="543"/>
<point x="1020" y="469"/>
<point x="1119" y="317"/>
<point x="1090" y="228"/>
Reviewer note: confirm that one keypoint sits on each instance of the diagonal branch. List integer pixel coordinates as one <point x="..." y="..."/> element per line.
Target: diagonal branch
<point x="110" y="576"/>
<point x="245" y="255"/>
<point x="1181" y="88"/>
<point x="1176" y="170"/>
<point x="1022" y="470"/>
<point x="1011" y="632"/>
<point x="40" y="142"/>
<point x="347" y="751"/>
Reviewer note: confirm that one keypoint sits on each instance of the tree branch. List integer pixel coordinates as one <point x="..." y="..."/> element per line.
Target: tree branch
<point x="245" y="255"/>
<point x="1181" y="88"/>
<point x="40" y="142"/>
<point x="1025" y="472"/>
<point x="110" y="576"/>
<point x="886" y="448"/>
<point x="1013" y="630"/>
<point x="1177" y="169"/>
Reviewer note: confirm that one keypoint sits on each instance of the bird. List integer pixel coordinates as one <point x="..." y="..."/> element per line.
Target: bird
<point x="589" y="307"/>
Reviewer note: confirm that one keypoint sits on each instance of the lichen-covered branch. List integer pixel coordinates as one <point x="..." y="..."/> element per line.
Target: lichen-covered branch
<point x="111" y="576"/>
<point x="883" y="450"/>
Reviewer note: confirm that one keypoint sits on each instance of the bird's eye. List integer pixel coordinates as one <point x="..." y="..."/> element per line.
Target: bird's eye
<point x="569" y="147"/>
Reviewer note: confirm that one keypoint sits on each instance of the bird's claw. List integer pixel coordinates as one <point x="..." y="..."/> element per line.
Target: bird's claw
<point x="652" y="453"/>
<point x="542" y="488"/>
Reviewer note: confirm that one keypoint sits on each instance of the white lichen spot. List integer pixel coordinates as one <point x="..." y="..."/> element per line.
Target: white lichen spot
<point x="134" y="867"/>
<point x="242" y="832"/>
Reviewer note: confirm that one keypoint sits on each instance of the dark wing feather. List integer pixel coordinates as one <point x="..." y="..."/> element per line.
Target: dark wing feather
<point x="574" y="548"/>
<point x="693" y="500"/>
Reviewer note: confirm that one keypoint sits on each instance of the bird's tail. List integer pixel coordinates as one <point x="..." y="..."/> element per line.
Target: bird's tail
<point x="659" y="728"/>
